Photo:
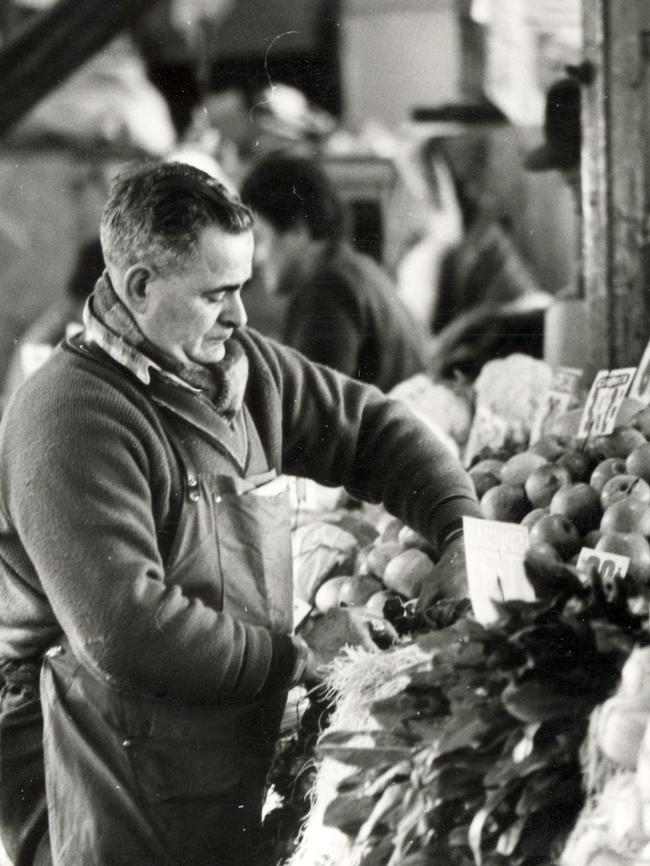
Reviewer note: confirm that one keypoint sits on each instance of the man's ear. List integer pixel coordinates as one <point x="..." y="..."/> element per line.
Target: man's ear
<point x="136" y="287"/>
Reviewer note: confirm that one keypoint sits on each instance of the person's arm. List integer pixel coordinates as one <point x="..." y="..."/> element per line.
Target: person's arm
<point x="343" y="433"/>
<point x="81" y="483"/>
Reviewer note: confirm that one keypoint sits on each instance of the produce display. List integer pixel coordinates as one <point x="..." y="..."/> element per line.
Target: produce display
<point x="482" y="750"/>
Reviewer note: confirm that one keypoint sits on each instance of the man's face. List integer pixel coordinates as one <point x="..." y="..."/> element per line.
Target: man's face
<point x="276" y="253"/>
<point x="191" y="313"/>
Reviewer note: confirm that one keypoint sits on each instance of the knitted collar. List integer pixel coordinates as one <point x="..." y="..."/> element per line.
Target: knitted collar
<point x="109" y="324"/>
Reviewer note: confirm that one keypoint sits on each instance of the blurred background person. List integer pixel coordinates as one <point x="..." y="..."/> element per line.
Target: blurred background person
<point x="566" y="326"/>
<point x="342" y="308"/>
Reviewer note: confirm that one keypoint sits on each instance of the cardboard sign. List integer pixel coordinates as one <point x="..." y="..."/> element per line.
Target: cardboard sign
<point x="640" y="389"/>
<point x="607" y="392"/>
<point x="557" y="400"/>
<point x="494" y="553"/>
<point x="488" y="430"/>
<point x="608" y="565"/>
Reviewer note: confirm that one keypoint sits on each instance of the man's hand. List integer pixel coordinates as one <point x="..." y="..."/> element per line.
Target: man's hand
<point x="343" y="626"/>
<point x="449" y="578"/>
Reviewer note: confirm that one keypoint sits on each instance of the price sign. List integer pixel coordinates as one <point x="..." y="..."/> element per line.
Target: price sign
<point x="488" y="430"/>
<point x="640" y="389"/>
<point x="556" y="401"/>
<point x="605" y="397"/>
<point x="608" y="565"/>
<point x="494" y="553"/>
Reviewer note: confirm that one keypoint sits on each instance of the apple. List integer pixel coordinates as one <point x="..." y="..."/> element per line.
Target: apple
<point x="550" y="446"/>
<point x="567" y="424"/>
<point x="627" y="515"/>
<point x="558" y="531"/>
<point x="410" y="538"/>
<point x="621" y="486"/>
<point x="533" y="516"/>
<point x="380" y="555"/>
<point x="629" y="409"/>
<point x="641" y="421"/>
<point x="619" y="443"/>
<point x="378" y="600"/>
<point x="357" y="589"/>
<point x="391" y="530"/>
<point x="605" y="470"/>
<point x="506" y="502"/>
<point x="327" y="594"/>
<point x="485" y="474"/>
<point x="591" y="538"/>
<point x="543" y="552"/>
<point x="579" y="464"/>
<point x="633" y="545"/>
<point x="580" y="503"/>
<point x="544" y="482"/>
<point x="407" y="573"/>
<point x="517" y="469"/>
<point x="637" y="462"/>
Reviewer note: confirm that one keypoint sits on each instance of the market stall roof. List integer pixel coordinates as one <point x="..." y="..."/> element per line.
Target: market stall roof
<point x="59" y="40"/>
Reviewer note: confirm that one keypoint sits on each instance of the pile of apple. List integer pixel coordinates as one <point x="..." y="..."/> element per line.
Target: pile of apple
<point x="385" y="574"/>
<point x="574" y="493"/>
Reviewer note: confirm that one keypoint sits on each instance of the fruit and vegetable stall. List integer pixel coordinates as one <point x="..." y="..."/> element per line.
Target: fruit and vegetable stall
<point x="510" y="730"/>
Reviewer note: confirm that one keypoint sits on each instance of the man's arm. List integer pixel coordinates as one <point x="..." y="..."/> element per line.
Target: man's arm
<point x="343" y="433"/>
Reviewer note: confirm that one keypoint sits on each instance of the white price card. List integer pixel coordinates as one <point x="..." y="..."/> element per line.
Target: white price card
<point x="640" y="389"/>
<point x="556" y="401"/>
<point x="608" y="565"/>
<point x="488" y="430"/>
<point x="604" y="400"/>
<point x="494" y="553"/>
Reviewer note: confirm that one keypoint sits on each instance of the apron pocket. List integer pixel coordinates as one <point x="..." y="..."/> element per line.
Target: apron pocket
<point x="202" y="784"/>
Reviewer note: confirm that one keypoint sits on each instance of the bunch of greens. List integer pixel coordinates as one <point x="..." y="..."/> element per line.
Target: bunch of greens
<point x="476" y="760"/>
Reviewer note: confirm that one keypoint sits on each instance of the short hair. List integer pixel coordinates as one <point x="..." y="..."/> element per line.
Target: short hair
<point x="288" y="190"/>
<point x="159" y="210"/>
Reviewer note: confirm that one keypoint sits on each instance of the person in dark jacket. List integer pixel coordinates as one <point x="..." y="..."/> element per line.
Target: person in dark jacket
<point x="342" y="308"/>
<point x="145" y="555"/>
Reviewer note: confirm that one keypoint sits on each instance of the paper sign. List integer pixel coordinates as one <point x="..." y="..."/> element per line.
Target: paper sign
<point x="557" y="400"/>
<point x="640" y="389"/>
<point x="488" y="430"/>
<point x="494" y="553"/>
<point x="605" y="397"/>
<point x="608" y="565"/>
<point x="554" y="404"/>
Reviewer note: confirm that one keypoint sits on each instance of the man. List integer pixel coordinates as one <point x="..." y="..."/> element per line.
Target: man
<point x="566" y="327"/>
<point x="145" y="541"/>
<point x="342" y="308"/>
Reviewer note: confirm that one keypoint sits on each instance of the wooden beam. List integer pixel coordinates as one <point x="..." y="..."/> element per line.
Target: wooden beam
<point x="54" y="45"/>
<point x="615" y="181"/>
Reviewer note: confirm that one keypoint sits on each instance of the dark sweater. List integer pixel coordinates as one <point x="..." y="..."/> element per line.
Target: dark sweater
<point x="346" y="315"/>
<point x="88" y="481"/>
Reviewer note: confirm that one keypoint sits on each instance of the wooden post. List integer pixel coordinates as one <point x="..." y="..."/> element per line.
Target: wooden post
<point x="616" y="180"/>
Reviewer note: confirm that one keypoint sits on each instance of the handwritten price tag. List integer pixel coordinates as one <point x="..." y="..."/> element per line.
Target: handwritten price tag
<point x="488" y="430"/>
<point x="604" y="400"/>
<point x="494" y="553"/>
<point x="557" y="400"/>
<point x="608" y="565"/>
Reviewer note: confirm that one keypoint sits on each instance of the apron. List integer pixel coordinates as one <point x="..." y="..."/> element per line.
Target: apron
<point x="134" y="780"/>
<point x="23" y="809"/>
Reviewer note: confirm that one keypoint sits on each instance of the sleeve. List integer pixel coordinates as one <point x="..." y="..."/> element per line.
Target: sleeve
<point x="80" y="480"/>
<point x="342" y="432"/>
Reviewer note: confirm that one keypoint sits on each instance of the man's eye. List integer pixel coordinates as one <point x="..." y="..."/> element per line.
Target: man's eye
<point x="216" y="298"/>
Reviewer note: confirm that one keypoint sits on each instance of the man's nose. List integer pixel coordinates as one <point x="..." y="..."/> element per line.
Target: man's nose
<point x="233" y="312"/>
